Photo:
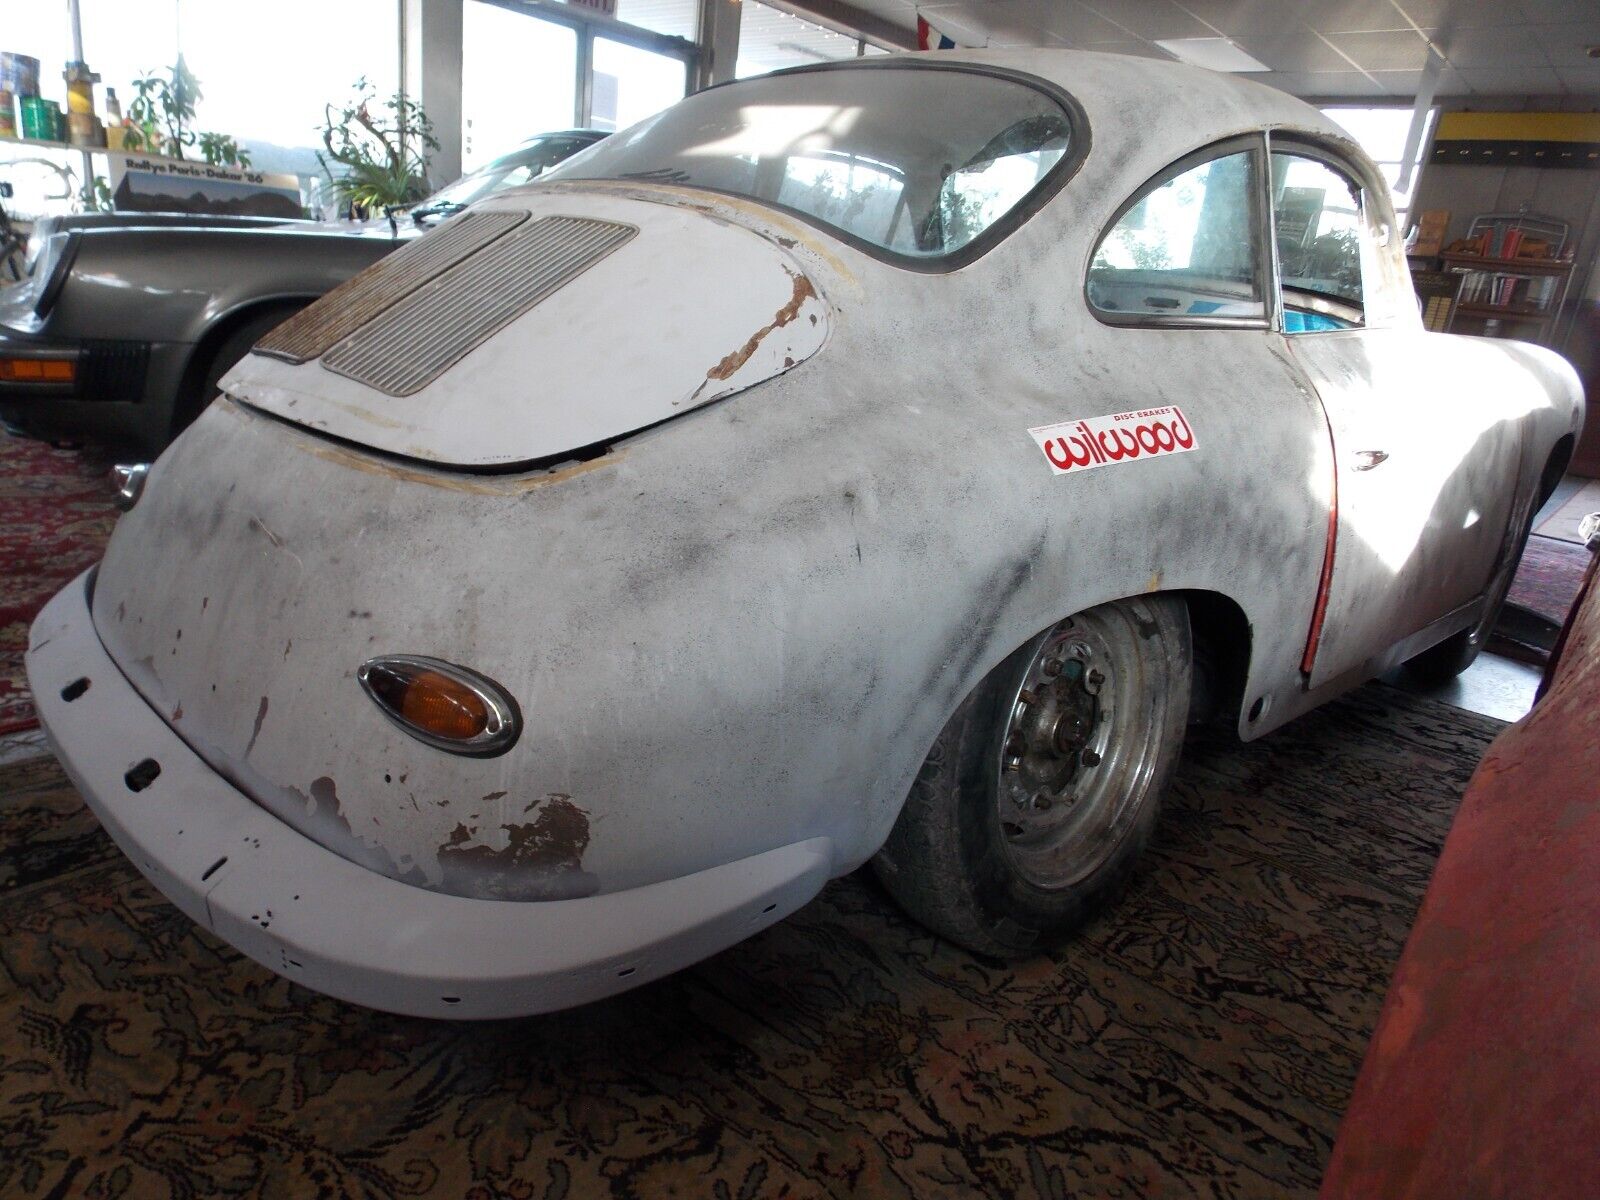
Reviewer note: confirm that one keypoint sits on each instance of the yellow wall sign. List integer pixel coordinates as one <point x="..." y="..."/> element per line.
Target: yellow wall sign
<point x="1519" y="139"/>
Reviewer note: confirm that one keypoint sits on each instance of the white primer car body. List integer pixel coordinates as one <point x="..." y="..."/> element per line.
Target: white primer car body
<point x="739" y="508"/>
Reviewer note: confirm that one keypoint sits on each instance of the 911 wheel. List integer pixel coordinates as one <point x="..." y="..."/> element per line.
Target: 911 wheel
<point x="1045" y="784"/>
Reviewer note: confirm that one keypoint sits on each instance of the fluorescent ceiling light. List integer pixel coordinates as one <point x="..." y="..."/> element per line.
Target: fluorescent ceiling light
<point x="1214" y="54"/>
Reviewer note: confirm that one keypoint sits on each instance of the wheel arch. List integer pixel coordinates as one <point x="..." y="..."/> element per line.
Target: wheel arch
<point x="216" y="335"/>
<point x="1555" y="466"/>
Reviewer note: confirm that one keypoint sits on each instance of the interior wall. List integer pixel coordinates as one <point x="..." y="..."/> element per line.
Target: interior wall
<point x="1571" y="196"/>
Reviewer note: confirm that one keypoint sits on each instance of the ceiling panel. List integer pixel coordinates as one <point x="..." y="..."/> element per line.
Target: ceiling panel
<point x="1333" y="85"/>
<point x="1151" y="19"/>
<point x="1512" y="81"/>
<point x="1566" y="45"/>
<point x="1402" y="50"/>
<point x="1321" y="48"/>
<point x="1357" y="16"/>
<point x="1302" y="53"/>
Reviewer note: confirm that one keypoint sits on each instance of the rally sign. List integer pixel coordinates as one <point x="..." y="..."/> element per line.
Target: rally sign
<point x="1122" y="437"/>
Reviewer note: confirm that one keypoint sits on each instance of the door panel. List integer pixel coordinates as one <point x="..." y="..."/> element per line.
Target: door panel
<point x="1426" y="457"/>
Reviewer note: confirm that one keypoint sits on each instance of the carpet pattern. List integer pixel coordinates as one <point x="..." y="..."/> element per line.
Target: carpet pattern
<point x="1199" y="1039"/>
<point x="55" y="517"/>
<point x="1548" y="577"/>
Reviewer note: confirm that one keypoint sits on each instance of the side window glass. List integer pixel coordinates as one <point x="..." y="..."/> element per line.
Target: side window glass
<point x="1185" y="249"/>
<point x="1318" y="223"/>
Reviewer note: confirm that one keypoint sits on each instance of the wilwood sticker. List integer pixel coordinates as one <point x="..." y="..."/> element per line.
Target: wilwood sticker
<point x="1121" y="437"/>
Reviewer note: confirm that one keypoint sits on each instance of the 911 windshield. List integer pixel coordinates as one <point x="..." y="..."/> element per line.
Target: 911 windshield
<point x="916" y="162"/>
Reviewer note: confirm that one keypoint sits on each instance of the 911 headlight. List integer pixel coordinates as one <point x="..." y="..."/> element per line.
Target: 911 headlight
<point x="49" y="265"/>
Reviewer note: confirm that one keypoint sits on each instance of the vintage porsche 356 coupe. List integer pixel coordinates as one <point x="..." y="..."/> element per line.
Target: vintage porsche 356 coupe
<point x="872" y="462"/>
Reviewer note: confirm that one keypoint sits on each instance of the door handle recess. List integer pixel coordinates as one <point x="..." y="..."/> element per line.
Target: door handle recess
<point x="1365" y="460"/>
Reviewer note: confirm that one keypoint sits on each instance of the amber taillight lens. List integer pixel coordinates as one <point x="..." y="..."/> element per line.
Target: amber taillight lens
<point x="442" y="704"/>
<point x="37" y="370"/>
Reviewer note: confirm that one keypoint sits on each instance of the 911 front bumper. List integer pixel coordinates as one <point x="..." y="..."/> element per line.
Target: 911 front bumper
<point x="325" y="922"/>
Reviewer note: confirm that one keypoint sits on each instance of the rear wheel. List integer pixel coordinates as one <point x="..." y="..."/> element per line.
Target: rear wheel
<point x="1045" y="784"/>
<point x="232" y="348"/>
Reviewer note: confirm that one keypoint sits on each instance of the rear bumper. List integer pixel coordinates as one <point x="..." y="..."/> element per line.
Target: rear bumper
<point x="122" y="390"/>
<point x="323" y="921"/>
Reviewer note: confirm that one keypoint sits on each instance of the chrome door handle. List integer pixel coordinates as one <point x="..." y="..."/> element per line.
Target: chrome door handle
<point x="1365" y="460"/>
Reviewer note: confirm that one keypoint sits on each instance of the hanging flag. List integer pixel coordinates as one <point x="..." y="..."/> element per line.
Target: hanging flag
<point x="929" y="38"/>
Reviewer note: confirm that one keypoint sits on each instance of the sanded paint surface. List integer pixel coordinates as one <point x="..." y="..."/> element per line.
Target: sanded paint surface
<point x="741" y="628"/>
<point x="1481" y="1078"/>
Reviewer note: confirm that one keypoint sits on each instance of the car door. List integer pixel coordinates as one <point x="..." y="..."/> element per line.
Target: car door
<point x="1425" y="468"/>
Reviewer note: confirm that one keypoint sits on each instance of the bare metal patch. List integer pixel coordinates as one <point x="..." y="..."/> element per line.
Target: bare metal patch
<point x="1121" y="437"/>
<point x="542" y="858"/>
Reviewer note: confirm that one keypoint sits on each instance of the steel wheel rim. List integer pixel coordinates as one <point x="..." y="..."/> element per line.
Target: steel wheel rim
<point x="1078" y="747"/>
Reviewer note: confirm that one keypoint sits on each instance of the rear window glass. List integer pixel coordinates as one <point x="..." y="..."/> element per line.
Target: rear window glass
<point x="916" y="162"/>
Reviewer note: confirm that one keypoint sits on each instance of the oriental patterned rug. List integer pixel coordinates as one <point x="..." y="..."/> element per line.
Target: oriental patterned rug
<point x="1548" y="577"/>
<point x="1199" y="1039"/>
<point x="55" y="517"/>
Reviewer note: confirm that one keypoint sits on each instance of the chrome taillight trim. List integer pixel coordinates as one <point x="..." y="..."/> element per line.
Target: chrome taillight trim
<point x="129" y="480"/>
<point x="505" y="717"/>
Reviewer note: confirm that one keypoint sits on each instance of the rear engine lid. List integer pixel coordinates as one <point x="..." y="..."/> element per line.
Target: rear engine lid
<point x="535" y="325"/>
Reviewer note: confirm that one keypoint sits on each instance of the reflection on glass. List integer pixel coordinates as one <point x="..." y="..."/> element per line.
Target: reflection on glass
<point x="917" y="162"/>
<point x="523" y="165"/>
<point x="1318" y="218"/>
<point x="1186" y="249"/>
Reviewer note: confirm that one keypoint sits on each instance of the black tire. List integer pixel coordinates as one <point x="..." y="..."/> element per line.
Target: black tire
<point x="1442" y="662"/>
<point x="231" y="349"/>
<point x="973" y="869"/>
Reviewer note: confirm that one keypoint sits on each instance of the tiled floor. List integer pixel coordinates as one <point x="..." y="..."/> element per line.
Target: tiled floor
<point x="1573" y="500"/>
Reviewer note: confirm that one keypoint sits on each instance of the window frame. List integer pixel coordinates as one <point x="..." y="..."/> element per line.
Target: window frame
<point x="1255" y="144"/>
<point x="588" y="24"/>
<point x="1078" y="141"/>
<point x="1304" y="146"/>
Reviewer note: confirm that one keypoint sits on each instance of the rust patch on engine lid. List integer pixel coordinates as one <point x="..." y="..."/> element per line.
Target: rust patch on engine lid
<point x="542" y="859"/>
<point x="803" y="291"/>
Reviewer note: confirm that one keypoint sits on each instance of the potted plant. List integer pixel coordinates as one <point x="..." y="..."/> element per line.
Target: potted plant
<point x="376" y="152"/>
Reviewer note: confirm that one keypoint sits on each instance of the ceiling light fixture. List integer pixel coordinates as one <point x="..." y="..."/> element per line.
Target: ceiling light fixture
<point x="1212" y="53"/>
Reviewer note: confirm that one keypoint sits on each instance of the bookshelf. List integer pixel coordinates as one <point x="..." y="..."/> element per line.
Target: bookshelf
<point x="1510" y="297"/>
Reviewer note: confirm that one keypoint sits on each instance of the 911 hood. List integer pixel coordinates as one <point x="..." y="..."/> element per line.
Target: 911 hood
<point x="535" y="325"/>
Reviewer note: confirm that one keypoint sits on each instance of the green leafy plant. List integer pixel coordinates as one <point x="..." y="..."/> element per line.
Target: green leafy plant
<point x="162" y="110"/>
<point x="219" y="149"/>
<point x="97" y="195"/>
<point x="376" y="151"/>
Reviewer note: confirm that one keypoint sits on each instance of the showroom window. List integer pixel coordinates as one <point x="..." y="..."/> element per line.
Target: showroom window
<point x="519" y="77"/>
<point x="1319" y="226"/>
<point x="1381" y="132"/>
<point x="1186" y="251"/>
<point x="527" y="72"/>
<point x="632" y="83"/>
<point x="124" y="40"/>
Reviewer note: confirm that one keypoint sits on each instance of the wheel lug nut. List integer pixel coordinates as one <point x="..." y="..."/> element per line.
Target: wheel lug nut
<point x="1052" y="667"/>
<point x="1091" y="759"/>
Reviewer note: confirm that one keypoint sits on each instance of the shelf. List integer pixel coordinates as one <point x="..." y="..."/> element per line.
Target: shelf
<point x="37" y="144"/>
<point x="1526" y="266"/>
<point x="1494" y="312"/>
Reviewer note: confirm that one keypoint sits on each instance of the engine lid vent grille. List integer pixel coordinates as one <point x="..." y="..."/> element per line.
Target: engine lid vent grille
<point x="434" y="327"/>
<point x="345" y="309"/>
